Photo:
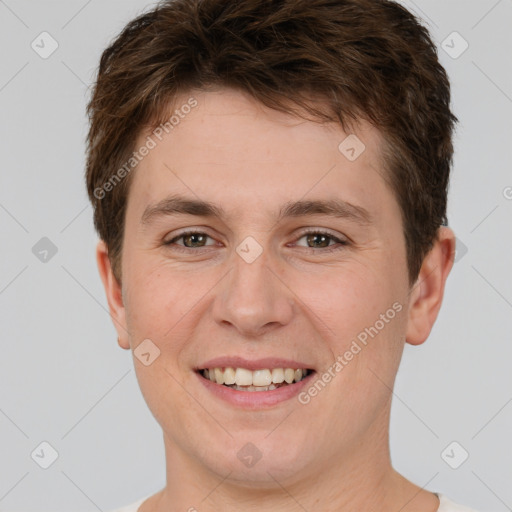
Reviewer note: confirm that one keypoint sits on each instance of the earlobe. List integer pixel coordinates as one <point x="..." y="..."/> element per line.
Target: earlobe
<point x="114" y="295"/>
<point x="427" y="293"/>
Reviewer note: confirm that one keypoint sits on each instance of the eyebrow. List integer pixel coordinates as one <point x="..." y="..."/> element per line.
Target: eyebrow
<point x="179" y="205"/>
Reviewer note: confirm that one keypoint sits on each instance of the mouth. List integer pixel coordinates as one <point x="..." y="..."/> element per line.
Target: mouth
<point x="264" y="379"/>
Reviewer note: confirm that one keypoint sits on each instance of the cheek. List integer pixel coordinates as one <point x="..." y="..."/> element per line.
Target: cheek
<point x="343" y="301"/>
<point x="166" y="306"/>
<point x="156" y="298"/>
<point x="363" y="316"/>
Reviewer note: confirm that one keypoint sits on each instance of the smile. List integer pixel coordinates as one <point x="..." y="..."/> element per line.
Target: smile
<point x="243" y="379"/>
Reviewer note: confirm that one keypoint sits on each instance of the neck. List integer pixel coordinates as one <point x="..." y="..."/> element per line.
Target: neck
<point x="360" y="478"/>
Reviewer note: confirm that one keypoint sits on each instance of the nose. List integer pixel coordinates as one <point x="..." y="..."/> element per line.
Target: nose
<point x="254" y="298"/>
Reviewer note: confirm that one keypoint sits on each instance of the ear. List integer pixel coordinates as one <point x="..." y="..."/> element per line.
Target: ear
<point x="427" y="293"/>
<point x="113" y="291"/>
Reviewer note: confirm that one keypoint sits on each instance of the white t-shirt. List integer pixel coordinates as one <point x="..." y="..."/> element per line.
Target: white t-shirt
<point x="445" y="505"/>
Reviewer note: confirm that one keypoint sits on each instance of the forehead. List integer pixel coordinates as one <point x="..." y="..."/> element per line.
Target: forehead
<point x="229" y="146"/>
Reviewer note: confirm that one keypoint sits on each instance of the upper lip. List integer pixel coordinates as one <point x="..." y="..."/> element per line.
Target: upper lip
<point x="253" y="364"/>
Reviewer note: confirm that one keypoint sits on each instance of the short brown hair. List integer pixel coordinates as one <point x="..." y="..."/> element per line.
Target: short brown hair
<point x="364" y="59"/>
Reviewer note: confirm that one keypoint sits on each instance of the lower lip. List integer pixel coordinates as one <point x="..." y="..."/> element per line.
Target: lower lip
<point x="255" y="399"/>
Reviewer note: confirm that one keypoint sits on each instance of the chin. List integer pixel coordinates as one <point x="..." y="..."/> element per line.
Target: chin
<point x="260" y="460"/>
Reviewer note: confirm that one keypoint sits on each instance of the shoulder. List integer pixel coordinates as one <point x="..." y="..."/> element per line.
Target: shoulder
<point x="446" y="505"/>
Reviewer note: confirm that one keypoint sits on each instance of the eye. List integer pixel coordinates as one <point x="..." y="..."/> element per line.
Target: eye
<point x="192" y="239"/>
<point x="322" y="239"/>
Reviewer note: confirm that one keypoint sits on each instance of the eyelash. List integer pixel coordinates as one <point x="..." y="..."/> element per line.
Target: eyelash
<point x="342" y="243"/>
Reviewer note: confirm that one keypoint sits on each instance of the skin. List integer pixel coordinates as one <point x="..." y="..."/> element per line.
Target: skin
<point x="294" y="301"/>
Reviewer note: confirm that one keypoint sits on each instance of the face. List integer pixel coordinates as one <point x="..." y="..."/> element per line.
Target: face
<point x="297" y="261"/>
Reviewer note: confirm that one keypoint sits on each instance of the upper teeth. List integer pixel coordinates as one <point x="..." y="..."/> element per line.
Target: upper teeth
<point x="244" y="377"/>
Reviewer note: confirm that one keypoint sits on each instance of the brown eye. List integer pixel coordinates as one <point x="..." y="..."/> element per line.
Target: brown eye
<point x="321" y="240"/>
<point x="318" y="238"/>
<point x="194" y="239"/>
<point x="191" y="240"/>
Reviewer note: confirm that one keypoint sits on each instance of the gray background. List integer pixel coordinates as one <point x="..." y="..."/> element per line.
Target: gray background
<point x="64" y="380"/>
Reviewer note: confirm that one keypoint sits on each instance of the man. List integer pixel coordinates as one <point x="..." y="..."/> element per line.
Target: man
<point x="269" y="183"/>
